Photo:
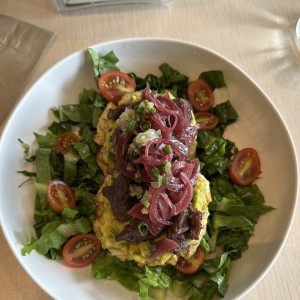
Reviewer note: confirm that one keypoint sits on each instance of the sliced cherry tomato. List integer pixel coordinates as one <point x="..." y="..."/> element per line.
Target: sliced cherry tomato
<point x="65" y="140"/>
<point x="81" y="250"/>
<point x="60" y="196"/>
<point x="245" y="167"/>
<point x="200" y="95"/>
<point x="193" y="264"/>
<point x="114" y="84"/>
<point x="204" y="116"/>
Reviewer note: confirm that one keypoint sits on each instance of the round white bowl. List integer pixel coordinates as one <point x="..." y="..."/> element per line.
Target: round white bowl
<point x="259" y="126"/>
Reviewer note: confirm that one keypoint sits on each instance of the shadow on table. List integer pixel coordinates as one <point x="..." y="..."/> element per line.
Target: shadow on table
<point x="286" y="53"/>
<point x="283" y="49"/>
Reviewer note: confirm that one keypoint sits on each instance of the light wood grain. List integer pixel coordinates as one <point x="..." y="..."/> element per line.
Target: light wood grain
<point x="257" y="35"/>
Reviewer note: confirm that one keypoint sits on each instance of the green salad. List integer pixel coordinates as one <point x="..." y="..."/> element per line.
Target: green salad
<point x="235" y="206"/>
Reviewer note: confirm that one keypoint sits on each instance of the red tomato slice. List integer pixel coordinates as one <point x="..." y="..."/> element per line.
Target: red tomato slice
<point x="204" y="116"/>
<point x="245" y="167"/>
<point x="81" y="250"/>
<point x="200" y="95"/>
<point x="60" y="196"/>
<point x="193" y="264"/>
<point x="114" y="84"/>
<point x="65" y="140"/>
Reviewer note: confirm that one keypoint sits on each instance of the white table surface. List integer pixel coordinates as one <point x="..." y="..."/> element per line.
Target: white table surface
<point x="257" y="35"/>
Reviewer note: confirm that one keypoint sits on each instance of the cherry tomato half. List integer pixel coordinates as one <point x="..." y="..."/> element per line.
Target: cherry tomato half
<point x="200" y="95"/>
<point x="65" y="140"/>
<point x="204" y="116"/>
<point x="245" y="167"/>
<point x="81" y="250"/>
<point x="60" y="196"/>
<point x="114" y="84"/>
<point x="193" y="264"/>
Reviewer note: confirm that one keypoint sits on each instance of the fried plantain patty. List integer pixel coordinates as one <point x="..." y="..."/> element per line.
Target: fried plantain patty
<point x="107" y="227"/>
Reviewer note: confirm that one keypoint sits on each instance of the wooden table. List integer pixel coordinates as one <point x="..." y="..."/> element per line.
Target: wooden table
<point x="257" y="35"/>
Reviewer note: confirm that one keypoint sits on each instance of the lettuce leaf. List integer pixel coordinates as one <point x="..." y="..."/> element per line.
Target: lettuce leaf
<point x="91" y="105"/>
<point x="107" y="266"/>
<point x="214" y="78"/>
<point x="104" y="63"/>
<point x="55" y="234"/>
<point x="130" y="275"/>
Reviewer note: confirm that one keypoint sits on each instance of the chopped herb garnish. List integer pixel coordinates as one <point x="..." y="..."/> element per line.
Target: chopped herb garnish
<point x="145" y="202"/>
<point x="166" y="166"/>
<point x="159" y="180"/>
<point x="145" y="125"/>
<point x="138" y="177"/>
<point x="151" y="246"/>
<point x="143" y="228"/>
<point x="139" y="109"/>
<point x="168" y="149"/>
<point x="133" y="152"/>
<point x="162" y="180"/>
<point x="149" y="107"/>
<point x="165" y="180"/>
<point x="155" y="172"/>
<point x="131" y="125"/>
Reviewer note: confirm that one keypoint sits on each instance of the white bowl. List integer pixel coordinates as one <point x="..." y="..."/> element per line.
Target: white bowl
<point x="260" y="126"/>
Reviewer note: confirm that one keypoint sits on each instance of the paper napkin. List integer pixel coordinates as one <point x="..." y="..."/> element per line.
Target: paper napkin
<point x="21" y="47"/>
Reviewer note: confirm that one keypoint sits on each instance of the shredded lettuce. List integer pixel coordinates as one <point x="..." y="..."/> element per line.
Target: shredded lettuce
<point x="170" y="79"/>
<point x="55" y="234"/>
<point x="215" y="78"/>
<point x="78" y="168"/>
<point x="90" y="107"/>
<point x="130" y="275"/>
<point x="106" y="266"/>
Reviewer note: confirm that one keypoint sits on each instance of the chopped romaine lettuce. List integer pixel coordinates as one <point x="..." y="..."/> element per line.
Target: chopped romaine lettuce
<point x="103" y="64"/>
<point x="77" y="168"/>
<point x="214" y="78"/>
<point x="170" y="80"/>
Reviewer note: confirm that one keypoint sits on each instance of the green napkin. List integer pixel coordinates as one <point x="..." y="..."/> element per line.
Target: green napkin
<point x="21" y="47"/>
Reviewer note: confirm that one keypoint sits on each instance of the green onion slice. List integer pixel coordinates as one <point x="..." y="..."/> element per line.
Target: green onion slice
<point x="168" y="149"/>
<point x="138" y="177"/>
<point x="166" y="166"/>
<point x="143" y="228"/>
<point x="155" y="172"/>
<point x="131" y="125"/>
<point x="145" y="202"/>
<point x="145" y="125"/>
